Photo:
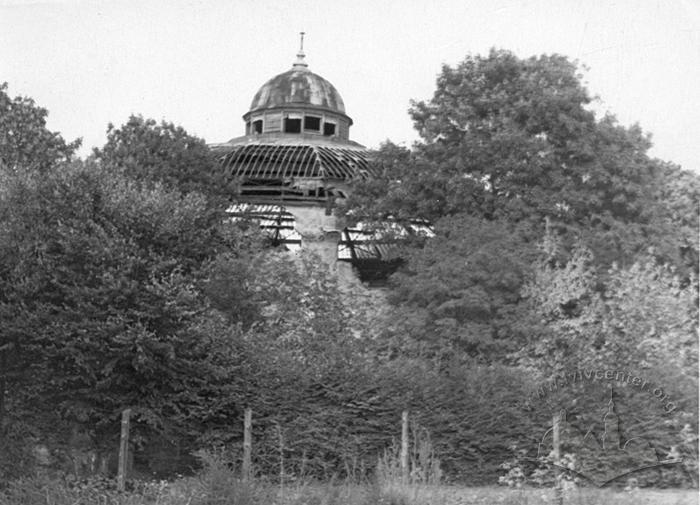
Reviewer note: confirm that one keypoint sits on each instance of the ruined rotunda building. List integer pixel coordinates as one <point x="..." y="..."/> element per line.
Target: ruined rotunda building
<point x="295" y="163"/>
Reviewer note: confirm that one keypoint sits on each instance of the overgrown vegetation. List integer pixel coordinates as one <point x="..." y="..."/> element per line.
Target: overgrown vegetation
<point x="560" y="246"/>
<point x="218" y="483"/>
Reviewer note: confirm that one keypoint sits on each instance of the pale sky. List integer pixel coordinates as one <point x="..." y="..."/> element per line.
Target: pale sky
<point x="198" y="63"/>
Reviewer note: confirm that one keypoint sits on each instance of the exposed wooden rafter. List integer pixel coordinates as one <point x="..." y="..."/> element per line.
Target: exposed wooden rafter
<point x="284" y="161"/>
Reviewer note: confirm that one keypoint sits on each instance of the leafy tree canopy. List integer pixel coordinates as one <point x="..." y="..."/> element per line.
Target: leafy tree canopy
<point x="521" y="128"/>
<point x="99" y="299"/>
<point x="25" y="142"/>
<point x="164" y="153"/>
<point x="513" y="139"/>
<point x="466" y="282"/>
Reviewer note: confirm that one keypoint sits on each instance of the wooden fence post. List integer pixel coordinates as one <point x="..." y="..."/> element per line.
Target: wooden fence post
<point x="247" y="443"/>
<point x="404" y="447"/>
<point x="123" y="451"/>
<point x="281" y="453"/>
<point x="556" y="445"/>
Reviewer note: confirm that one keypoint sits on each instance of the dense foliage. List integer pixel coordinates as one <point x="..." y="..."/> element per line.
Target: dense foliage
<point x="163" y="153"/>
<point x="559" y="245"/>
<point x="513" y="139"/>
<point x="100" y="303"/>
<point x="25" y="142"/>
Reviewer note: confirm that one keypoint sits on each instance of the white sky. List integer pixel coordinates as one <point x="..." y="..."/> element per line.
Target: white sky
<point x="198" y="63"/>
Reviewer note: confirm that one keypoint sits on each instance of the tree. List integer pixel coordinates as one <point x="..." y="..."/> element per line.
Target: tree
<point x="25" y="142"/>
<point x="26" y="146"/>
<point x="101" y="303"/>
<point x="518" y="127"/>
<point x="514" y="139"/>
<point x="512" y="161"/>
<point x="675" y="219"/>
<point x="410" y="187"/>
<point x="120" y="294"/>
<point x="164" y="153"/>
<point x="465" y="282"/>
<point x="643" y="318"/>
<point x="642" y="321"/>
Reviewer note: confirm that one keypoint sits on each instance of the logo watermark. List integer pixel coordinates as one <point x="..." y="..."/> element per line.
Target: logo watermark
<point x="589" y="437"/>
<point x="602" y="376"/>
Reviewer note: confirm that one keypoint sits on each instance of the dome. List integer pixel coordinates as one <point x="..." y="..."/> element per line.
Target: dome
<point x="298" y="87"/>
<point x="299" y="104"/>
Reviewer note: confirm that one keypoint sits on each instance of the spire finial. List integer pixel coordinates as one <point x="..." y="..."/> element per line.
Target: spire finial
<point x="300" y="63"/>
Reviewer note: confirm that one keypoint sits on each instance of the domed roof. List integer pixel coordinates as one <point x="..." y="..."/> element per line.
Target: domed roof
<point x="298" y="86"/>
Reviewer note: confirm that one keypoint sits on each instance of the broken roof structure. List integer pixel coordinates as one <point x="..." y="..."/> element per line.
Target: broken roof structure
<point x="297" y="141"/>
<point x="299" y="168"/>
<point x="295" y="162"/>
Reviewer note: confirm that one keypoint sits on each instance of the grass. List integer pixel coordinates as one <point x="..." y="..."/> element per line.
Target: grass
<point x="222" y="489"/>
<point x="219" y="484"/>
<point x="454" y="495"/>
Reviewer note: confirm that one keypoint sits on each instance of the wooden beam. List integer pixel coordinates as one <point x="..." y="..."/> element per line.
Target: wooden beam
<point x="123" y="450"/>
<point x="247" y="443"/>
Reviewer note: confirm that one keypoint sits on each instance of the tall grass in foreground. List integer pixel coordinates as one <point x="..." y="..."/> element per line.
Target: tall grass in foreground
<point x="219" y="484"/>
<point x="213" y="491"/>
<point x="423" y="477"/>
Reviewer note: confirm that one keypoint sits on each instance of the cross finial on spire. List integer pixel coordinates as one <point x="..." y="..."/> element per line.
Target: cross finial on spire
<point x="300" y="63"/>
